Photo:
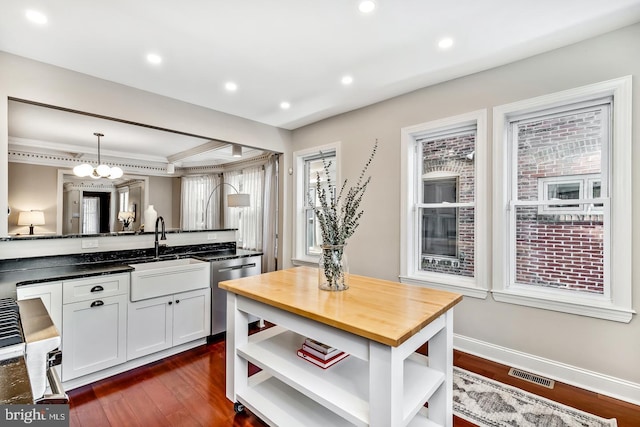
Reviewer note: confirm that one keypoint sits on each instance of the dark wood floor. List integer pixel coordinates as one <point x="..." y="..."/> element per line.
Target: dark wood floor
<point x="188" y="390"/>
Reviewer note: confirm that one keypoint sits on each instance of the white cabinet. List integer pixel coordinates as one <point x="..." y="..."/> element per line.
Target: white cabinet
<point x="191" y="316"/>
<point x="160" y="323"/>
<point x="94" y="324"/>
<point x="149" y="326"/>
<point x="51" y="295"/>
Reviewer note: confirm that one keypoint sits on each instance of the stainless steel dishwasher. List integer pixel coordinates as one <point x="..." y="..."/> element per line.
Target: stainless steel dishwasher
<point x="226" y="270"/>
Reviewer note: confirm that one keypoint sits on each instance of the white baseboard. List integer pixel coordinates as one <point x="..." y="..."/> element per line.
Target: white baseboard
<point x="585" y="379"/>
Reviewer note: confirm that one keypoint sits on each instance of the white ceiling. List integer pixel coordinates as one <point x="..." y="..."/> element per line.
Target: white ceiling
<point x="293" y="50"/>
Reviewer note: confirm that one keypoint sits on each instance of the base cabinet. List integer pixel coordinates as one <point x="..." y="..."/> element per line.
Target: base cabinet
<point x="94" y="335"/>
<point x="160" y="323"/>
<point x="94" y="324"/>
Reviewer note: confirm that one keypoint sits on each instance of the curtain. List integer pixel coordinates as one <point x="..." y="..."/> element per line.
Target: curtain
<point x="270" y="215"/>
<point x="253" y="184"/>
<point x="90" y="215"/>
<point x="200" y="203"/>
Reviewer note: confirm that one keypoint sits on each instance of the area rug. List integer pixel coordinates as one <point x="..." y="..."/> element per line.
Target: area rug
<point x="489" y="403"/>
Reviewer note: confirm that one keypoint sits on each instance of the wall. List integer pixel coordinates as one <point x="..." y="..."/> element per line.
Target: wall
<point x="33" y="187"/>
<point x="26" y="79"/>
<point x="163" y="200"/>
<point x="580" y="349"/>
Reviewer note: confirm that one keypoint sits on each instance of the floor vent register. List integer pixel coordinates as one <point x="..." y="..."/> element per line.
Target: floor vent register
<point x="532" y="378"/>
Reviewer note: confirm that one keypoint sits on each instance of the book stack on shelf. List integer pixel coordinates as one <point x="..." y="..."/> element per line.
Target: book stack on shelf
<point x="320" y="354"/>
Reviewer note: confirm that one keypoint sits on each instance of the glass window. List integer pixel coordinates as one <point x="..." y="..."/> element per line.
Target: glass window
<point x="308" y="166"/>
<point x="440" y="224"/>
<point x="561" y="211"/>
<point x="442" y="237"/>
<point x="314" y="169"/>
<point x="553" y="148"/>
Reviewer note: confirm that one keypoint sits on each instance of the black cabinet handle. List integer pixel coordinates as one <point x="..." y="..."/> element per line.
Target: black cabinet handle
<point x="170" y="302"/>
<point x="97" y="303"/>
<point x="177" y="301"/>
<point x="97" y="288"/>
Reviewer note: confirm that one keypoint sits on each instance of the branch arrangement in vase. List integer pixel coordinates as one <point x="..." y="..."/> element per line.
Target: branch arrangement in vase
<point x="339" y="218"/>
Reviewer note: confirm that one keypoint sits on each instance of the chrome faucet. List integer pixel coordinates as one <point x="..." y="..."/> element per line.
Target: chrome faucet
<point x="163" y="236"/>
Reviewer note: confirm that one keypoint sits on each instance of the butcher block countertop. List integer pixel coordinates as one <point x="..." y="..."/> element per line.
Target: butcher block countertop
<point x="380" y="310"/>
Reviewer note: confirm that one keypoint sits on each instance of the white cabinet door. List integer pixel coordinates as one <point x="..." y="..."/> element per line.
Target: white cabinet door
<point x="150" y="326"/>
<point x="191" y="315"/>
<point x="51" y="295"/>
<point x="94" y="335"/>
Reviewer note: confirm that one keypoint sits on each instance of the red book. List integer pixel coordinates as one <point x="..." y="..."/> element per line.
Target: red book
<point x="324" y="364"/>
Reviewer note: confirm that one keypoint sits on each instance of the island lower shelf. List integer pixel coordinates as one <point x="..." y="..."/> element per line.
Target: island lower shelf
<point x="344" y="387"/>
<point x="279" y="404"/>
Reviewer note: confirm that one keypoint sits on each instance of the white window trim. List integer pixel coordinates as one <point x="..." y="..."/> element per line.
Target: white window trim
<point x="616" y="304"/>
<point x="300" y="257"/>
<point x="409" y="273"/>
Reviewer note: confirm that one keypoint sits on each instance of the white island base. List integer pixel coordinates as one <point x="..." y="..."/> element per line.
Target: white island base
<point x="376" y="385"/>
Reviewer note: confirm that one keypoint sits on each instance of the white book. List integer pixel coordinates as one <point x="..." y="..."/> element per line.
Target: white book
<point x="321" y="347"/>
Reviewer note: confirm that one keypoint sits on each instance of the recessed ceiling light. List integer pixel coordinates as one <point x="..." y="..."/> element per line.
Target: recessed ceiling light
<point x="285" y="105"/>
<point x="231" y="86"/>
<point x="36" y="17"/>
<point x="366" y="6"/>
<point x="346" y="80"/>
<point x="445" y="43"/>
<point x="154" y="58"/>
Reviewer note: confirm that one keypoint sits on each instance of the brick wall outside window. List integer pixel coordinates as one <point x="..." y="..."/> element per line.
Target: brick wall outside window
<point x="561" y="251"/>
<point x="449" y="155"/>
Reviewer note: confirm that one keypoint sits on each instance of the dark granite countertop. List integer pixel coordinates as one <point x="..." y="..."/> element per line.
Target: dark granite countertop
<point x="25" y="271"/>
<point x="15" y="388"/>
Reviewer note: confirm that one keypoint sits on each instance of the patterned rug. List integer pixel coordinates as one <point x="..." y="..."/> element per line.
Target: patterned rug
<point x="488" y="403"/>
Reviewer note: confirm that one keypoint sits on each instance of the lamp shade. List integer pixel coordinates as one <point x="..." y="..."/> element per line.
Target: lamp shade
<point x="31" y="218"/>
<point x="240" y="200"/>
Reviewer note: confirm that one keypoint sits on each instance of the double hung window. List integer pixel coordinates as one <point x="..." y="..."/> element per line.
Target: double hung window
<point x="309" y="166"/>
<point x="443" y="203"/>
<point x="561" y="191"/>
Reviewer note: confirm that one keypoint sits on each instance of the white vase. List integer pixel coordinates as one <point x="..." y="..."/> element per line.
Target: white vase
<point x="150" y="216"/>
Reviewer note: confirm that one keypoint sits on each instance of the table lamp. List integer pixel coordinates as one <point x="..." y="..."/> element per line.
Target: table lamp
<point x="31" y="218"/>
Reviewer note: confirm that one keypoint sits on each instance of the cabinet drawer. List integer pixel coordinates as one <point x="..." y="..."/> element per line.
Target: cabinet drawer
<point x="51" y="295"/>
<point x="95" y="288"/>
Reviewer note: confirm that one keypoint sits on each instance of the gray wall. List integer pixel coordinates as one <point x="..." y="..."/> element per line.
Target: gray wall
<point x="26" y="79"/>
<point x="601" y="346"/>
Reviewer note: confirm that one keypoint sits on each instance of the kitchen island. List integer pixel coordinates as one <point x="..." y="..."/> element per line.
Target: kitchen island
<point x="380" y="323"/>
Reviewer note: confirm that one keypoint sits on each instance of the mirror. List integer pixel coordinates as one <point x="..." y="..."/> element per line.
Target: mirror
<point x="46" y="142"/>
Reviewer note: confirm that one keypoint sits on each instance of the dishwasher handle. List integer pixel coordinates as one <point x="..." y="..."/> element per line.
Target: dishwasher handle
<point x="58" y="395"/>
<point x="236" y="267"/>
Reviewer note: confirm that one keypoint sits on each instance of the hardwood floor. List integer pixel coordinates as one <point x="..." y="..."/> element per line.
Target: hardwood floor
<point x="188" y="390"/>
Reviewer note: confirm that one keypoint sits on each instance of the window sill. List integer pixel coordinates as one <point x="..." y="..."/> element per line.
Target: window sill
<point x="464" y="289"/>
<point x="552" y="300"/>
<point x="297" y="262"/>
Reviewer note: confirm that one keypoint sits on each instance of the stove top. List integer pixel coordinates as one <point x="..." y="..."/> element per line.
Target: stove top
<point x="11" y="336"/>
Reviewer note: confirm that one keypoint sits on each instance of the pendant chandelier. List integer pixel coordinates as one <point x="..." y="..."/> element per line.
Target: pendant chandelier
<point x="100" y="171"/>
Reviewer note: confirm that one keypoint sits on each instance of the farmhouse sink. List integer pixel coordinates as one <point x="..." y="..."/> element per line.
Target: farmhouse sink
<point x="159" y="278"/>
